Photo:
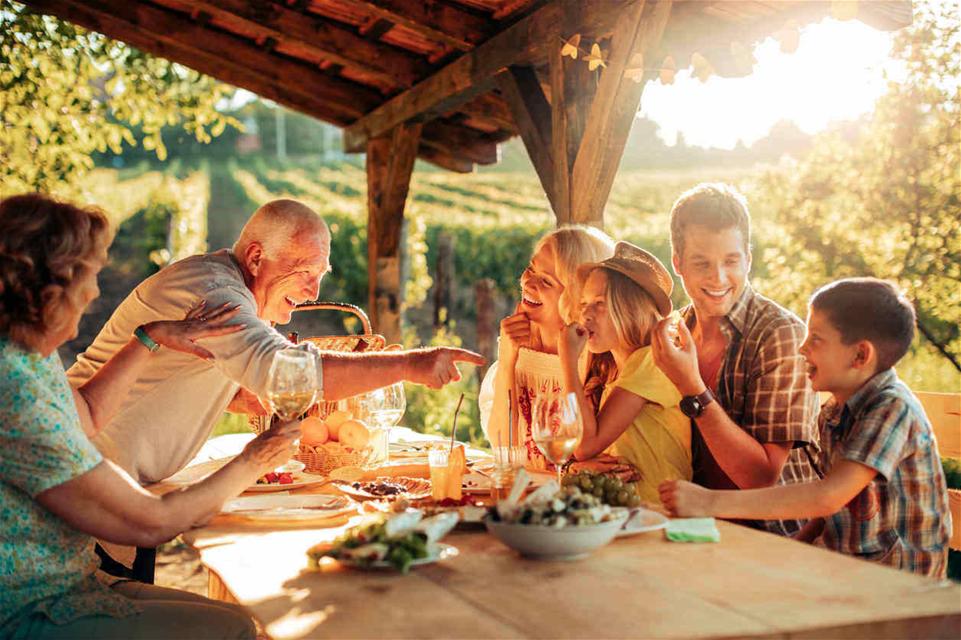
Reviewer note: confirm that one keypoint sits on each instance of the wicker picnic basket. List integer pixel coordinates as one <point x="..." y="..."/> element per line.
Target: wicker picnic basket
<point x="325" y="458"/>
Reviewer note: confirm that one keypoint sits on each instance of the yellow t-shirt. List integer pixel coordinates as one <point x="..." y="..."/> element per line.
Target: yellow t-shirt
<point x="658" y="441"/>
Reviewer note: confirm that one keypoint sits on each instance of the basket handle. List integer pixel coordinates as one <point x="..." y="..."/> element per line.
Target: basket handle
<point x="319" y="305"/>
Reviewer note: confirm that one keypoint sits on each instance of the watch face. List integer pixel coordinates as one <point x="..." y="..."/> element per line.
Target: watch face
<point x="691" y="406"/>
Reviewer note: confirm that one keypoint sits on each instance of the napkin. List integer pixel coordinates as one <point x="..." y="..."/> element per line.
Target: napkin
<point x="692" y="530"/>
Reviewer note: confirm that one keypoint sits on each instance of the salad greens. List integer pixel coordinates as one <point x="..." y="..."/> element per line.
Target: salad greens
<point x="397" y="539"/>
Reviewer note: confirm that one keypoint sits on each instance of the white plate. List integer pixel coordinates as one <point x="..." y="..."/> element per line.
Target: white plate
<point x="641" y="521"/>
<point x="441" y="551"/>
<point x="285" y="507"/>
<point x="300" y="480"/>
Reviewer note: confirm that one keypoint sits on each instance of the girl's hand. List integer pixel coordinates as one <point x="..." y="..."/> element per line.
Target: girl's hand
<point x="573" y="340"/>
<point x="674" y="353"/>
<point x="180" y="335"/>
<point x="516" y="330"/>
<point x="273" y="447"/>
<point x="684" y="499"/>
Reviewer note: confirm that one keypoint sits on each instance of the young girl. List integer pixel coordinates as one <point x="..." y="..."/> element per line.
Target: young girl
<point x="627" y="402"/>
<point x="528" y="365"/>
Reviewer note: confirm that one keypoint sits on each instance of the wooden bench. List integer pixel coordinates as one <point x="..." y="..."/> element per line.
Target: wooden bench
<point x="944" y="412"/>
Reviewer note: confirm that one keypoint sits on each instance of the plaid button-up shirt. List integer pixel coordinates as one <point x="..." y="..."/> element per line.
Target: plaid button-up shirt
<point x="763" y="387"/>
<point x="902" y="517"/>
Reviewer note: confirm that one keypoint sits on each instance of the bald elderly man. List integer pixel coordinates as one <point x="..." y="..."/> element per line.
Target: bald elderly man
<point x="278" y="262"/>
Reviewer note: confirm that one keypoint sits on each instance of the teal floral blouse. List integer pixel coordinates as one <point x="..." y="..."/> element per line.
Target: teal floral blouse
<point x="46" y="567"/>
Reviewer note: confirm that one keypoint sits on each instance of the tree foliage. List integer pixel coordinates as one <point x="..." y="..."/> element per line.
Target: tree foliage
<point x="66" y="93"/>
<point x="887" y="202"/>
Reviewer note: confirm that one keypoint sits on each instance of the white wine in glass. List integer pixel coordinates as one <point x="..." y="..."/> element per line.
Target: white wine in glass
<point x="292" y="388"/>
<point x="557" y="428"/>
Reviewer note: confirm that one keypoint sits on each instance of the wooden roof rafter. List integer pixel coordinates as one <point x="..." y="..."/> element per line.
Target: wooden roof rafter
<point x="294" y="84"/>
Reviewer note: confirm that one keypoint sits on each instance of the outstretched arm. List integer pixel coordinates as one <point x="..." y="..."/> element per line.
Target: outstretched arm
<point x="816" y="499"/>
<point x="347" y="374"/>
<point x="107" y="503"/>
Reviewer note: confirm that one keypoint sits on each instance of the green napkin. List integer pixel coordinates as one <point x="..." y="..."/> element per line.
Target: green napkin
<point x="692" y="530"/>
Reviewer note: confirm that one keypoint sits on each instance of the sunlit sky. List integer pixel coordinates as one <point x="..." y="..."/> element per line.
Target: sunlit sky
<point x="835" y="74"/>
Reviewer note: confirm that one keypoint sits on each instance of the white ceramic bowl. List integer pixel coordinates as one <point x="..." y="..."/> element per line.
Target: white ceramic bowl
<point x="552" y="543"/>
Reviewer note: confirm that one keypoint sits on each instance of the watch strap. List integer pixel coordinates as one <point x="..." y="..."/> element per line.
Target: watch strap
<point x="141" y="334"/>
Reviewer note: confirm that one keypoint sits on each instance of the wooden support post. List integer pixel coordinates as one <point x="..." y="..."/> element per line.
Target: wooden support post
<point x="576" y="139"/>
<point x="390" y="162"/>
<point x="486" y="321"/>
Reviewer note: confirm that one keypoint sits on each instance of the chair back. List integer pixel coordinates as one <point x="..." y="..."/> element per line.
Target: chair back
<point x="944" y="412"/>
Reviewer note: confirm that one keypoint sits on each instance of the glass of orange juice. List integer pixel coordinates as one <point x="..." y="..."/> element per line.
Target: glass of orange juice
<point x="438" y="460"/>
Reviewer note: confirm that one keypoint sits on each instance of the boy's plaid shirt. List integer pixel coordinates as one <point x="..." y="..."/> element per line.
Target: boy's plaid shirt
<point x="764" y="389"/>
<point x="902" y="517"/>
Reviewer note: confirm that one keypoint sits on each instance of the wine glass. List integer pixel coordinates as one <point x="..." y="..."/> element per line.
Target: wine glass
<point x="382" y="409"/>
<point x="292" y="388"/>
<point x="557" y="427"/>
<point x="386" y="405"/>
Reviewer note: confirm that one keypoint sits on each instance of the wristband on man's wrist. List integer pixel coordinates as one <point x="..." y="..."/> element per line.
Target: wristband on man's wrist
<point x="141" y="334"/>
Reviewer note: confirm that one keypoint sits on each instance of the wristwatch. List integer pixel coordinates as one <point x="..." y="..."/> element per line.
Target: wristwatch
<point x="693" y="406"/>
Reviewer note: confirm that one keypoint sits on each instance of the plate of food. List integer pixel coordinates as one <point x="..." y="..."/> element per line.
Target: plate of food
<point x="284" y="507"/>
<point x="387" y="488"/>
<point x="554" y="523"/>
<point x="470" y="514"/>
<point x="476" y="483"/>
<point x="284" y="481"/>
<point x="642" y="520"/>
<point x="396" y="541"/>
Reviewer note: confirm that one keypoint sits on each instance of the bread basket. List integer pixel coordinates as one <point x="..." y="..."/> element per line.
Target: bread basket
<point x="331" y="455"/>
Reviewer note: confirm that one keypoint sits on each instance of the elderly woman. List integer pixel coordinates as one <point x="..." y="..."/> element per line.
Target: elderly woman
<point x="56" y="491"/>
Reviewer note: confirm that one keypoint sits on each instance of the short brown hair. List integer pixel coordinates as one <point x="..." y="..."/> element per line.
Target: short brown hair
<point x="869" y="309"/>
<point x="714" y="205"/>
<point x="45" y="245"/>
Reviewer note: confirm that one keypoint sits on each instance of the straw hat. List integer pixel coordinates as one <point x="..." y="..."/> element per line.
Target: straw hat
<point x="640" y="266"/>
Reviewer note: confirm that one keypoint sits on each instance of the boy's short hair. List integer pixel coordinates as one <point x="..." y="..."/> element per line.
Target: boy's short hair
<point x="710" y="204"/>
<point x="869" y="309"/>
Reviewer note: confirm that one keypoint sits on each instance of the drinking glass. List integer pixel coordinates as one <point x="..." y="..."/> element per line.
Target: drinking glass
<point x="292" y="388"/>
<point x="557" y="427"/>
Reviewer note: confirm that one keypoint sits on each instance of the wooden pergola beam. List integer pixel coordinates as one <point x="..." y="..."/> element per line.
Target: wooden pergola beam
<point x="320" y="38"/>
<point x="248" y="67"/>
<point x="532" y="114"/>
<point x="525" y="42"/>
<point x="165" y="33"/>
<point x="390" y="163"/>
<point x="613" y="110"/>
<point x="436" y="21"/>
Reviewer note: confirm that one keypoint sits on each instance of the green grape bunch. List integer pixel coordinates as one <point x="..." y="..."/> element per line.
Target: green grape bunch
<point x="609" y="489"/>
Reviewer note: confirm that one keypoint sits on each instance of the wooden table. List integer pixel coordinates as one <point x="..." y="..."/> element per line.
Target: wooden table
<point x="751" y="584"/>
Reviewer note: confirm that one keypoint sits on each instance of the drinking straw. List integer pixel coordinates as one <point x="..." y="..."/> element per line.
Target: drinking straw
<point x="510" y="428"/>
<point x="453" y="429"/>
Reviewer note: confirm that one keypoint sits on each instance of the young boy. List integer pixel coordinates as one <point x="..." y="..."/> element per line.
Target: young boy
<point x="883" y="496"/>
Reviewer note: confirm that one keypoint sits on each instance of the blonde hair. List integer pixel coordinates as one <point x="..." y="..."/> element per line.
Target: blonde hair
<point x="573" y="246"/>
<point x="45" y="246"/>
<point x="276" y="224"/>
<point x="633" y="314"/>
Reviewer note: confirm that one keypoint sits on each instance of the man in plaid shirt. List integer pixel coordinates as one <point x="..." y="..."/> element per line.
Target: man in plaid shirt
<point x="739" y="349"/>
<point x="883" y="497"/>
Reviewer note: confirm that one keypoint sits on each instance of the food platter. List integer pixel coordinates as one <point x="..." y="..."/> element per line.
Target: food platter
<point x="300" y="479"/>
<point x="387" y="488"/>
<point x="439" y="551"/>
<point x="285" y="507"/>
